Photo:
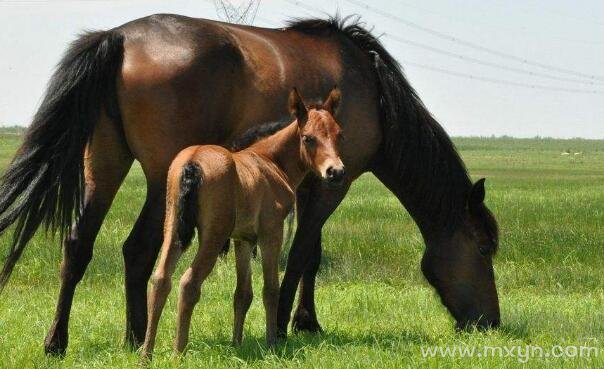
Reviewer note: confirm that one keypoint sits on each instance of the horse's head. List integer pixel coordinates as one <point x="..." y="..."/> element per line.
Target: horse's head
<point x="320" y="135"/>
<point x="460" y="265"/>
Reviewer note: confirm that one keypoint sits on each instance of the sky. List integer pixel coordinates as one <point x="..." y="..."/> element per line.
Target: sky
<point x="462" y="56"/>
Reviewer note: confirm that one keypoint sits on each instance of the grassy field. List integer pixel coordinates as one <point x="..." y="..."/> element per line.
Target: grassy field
<point x="373" y="302"/>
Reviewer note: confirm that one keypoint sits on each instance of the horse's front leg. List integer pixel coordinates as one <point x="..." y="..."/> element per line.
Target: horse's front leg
<point x="305" y="317"/>
<point x="315" y="208"/>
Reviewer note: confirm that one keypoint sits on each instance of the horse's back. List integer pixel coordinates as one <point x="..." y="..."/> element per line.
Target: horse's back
<point x="162" y="48"/>
<point x="188" y="81"/>
<point x="176" y="75"/>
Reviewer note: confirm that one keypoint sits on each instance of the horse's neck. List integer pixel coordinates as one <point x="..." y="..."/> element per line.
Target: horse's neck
<point x="283" y="149"/>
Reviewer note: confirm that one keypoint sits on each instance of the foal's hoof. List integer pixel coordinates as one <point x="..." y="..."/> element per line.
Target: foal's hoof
<point x="145" y="359"/>
<point x="304" y="322"/>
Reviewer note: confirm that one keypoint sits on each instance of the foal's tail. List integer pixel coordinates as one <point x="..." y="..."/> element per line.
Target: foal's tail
<point x="186" y="204"/>
<point x="45" y="181"/>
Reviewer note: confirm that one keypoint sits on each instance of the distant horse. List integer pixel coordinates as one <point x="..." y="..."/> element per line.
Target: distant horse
<point x="245" y="196"/>
<point x="151" y="87"/>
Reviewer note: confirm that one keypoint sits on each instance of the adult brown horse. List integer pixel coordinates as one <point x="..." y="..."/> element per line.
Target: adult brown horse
<point x="149" y="88"/>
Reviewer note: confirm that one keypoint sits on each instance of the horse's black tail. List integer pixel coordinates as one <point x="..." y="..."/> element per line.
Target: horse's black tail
<point x="186" y="205"/>
<point x="45" y="181"/>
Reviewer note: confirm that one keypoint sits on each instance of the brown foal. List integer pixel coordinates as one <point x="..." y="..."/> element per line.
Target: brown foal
<point x="245" y="196"/>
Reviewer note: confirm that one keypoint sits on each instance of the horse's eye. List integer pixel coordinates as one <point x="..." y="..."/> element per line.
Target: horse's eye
<point x="308" y="140"/>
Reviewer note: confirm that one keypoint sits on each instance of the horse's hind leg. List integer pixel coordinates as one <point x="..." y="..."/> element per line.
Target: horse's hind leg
<point x="107" y="161"/>
<point x="140" y="252"/>
<point x="242" y="298"/>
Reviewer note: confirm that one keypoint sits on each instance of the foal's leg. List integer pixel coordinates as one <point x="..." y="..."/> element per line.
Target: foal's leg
<point x="270" y="248"/>
<point x="243" y="292"/>
<point x="322" y="202"/>
<point x="191" y="281"/>
<point x="162" y="284"/>
<point x="107" y="160"/>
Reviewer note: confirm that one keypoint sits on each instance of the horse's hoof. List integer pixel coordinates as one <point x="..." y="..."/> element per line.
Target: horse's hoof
<point x="54" y="348"/>
<point x="282" y="333"/>
<point x="55" y="343"/>
<point x="132" y="343"/>
<point x="304" y="322"/>
<point x="271" y="342"/>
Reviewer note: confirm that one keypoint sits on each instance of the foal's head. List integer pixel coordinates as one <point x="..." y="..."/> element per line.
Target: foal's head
<point x="320" y="135"/>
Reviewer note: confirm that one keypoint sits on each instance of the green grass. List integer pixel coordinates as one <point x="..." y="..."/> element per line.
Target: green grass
<point x="373" y="302"/>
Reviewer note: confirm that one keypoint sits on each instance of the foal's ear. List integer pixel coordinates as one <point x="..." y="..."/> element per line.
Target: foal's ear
<point x="332" y="102"/>
<point x="296" y="106"/>
<point x="477" y="195"/>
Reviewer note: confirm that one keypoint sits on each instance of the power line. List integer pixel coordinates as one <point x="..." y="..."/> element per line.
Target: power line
<point x="499" y="28"/>
<point x="543" y="8"/>
<point x="468" y="43"/>
<point x="486" y="63"/>
<point x="500" y="81"/>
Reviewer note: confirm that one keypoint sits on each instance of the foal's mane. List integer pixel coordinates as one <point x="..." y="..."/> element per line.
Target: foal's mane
<point x="432" y="179"/>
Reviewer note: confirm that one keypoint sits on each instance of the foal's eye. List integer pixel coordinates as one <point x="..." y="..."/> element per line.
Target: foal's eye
<point x="308" y="140"/>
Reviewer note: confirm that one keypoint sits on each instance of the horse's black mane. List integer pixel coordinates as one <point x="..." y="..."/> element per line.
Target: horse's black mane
<point x="433" y="181"/>
<point x="256" y="133"/>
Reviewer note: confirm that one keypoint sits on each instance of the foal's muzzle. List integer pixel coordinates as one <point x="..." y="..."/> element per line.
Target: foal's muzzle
<point x="335" y="175"/>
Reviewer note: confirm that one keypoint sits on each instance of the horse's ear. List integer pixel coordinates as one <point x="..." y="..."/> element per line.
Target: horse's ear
<point x="477" y="194"/>
<point x="296" y="106"/>
<point x="332" y="102"/>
